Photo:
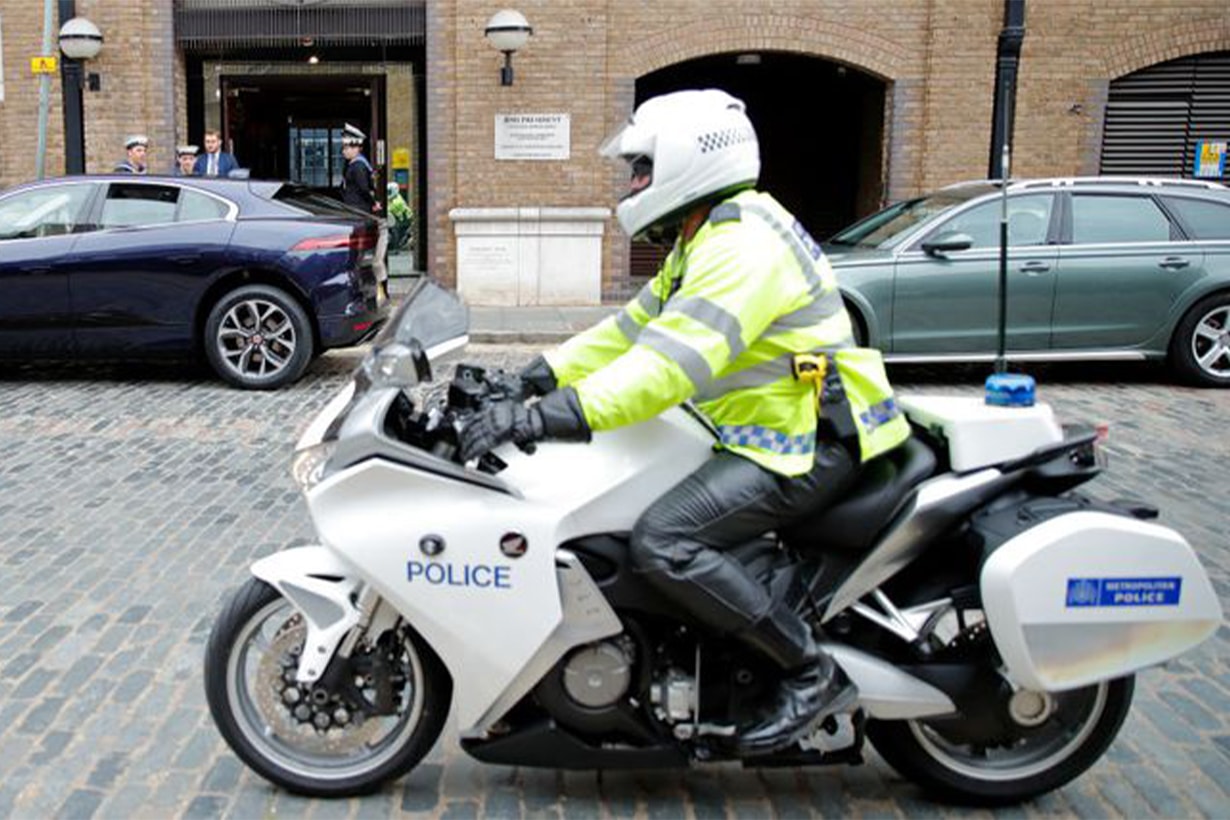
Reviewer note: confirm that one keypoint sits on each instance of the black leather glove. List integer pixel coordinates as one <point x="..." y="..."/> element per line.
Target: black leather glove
<point x="558" y="416"/>
<point x="537" y="378"/>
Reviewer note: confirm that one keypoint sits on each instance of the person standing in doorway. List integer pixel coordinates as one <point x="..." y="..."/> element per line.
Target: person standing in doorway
<point x="359" y="192"/>
<point x="137" y="146"/>
<point x="214" y="162"/>
<point x="185" y="160"/>
<point x="358" y="183"/>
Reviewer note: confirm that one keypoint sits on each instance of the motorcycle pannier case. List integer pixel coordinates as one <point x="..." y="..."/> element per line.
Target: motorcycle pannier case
<point x="1089" y="596"/>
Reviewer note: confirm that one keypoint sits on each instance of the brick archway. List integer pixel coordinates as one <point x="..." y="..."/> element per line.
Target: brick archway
<point x="879" y="56"/>
<point x="1159" y="46"/>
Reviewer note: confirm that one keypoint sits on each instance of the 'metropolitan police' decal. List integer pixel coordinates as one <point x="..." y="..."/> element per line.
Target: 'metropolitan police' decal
<point x="443" y="574"/>
<point x="1124" y="591"/>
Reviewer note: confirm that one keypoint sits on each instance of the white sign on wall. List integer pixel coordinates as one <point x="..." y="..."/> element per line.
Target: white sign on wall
<point x="533" y="136"/>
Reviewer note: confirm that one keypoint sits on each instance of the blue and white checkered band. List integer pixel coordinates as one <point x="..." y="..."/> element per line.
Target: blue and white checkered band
<point x="762" y="438"/>
<point x="878" y="414"/>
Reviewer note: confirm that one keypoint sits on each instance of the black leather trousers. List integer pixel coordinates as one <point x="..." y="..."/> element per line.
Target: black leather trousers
<point x="680" y="545"/>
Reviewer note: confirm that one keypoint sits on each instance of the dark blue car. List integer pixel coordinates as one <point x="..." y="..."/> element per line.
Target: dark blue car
<point x="258" y="277"/>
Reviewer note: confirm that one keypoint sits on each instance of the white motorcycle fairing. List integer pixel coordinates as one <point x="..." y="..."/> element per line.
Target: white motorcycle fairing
<point x="438" y="557"/>
<point x="1089" y="596"/>
<point x="322" y="588"/>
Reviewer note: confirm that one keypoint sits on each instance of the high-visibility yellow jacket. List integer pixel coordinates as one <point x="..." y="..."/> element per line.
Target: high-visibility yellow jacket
<point x="720" y="323"/>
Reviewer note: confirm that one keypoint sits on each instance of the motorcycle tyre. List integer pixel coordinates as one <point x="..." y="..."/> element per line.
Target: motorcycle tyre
<point x="900" y="748"/>
<point x="249" y="600"/>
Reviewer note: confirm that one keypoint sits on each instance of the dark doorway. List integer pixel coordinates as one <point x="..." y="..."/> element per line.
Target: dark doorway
<point x="290" y="127"/>
<point x="820" y="125"/>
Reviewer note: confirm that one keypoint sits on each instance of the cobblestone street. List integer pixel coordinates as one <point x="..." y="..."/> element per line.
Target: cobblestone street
<point x="133" y="499"/>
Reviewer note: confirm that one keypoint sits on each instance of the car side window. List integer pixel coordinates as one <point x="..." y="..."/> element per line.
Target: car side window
<point x="195" y="206"/>
<point x="53" y="210"/>
<point x="1203" y="219"/>
<point x="131" y="204"/>
<point x="1101" y="219"/>
<point x="1029" y="221"/>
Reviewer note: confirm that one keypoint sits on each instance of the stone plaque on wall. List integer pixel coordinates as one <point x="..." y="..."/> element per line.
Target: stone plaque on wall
<point x="533" y="136"/>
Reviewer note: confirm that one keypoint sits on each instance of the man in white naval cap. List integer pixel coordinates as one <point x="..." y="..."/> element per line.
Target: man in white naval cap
<point x="359" y="191"/>
<point x="358" y="187"/>
<point x="185" y="158"/>
<point x="136" y="145"/>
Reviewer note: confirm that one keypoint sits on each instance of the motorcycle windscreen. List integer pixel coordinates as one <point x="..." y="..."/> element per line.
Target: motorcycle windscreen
<point x="1090" y="596"/>
<point x="429" y="316"/>
<point x="430" y="323"/>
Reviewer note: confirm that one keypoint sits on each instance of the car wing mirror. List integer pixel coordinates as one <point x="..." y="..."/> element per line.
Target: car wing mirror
<point x="947" y="242"/>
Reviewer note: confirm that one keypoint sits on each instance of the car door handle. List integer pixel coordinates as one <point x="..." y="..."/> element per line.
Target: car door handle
<point x="36" y="269"/>
<point x="1174" y="262"/>
<point x="1035" y="267"/>
<point x="185" y="259"/>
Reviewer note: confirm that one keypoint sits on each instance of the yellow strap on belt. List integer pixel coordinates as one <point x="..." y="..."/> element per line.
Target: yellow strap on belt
<point x="811" y="367"/>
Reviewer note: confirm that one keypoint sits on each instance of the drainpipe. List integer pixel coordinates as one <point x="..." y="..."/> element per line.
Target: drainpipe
<point x="1007" y="61"/>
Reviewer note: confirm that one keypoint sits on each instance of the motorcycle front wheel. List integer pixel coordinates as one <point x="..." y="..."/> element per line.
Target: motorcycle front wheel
<point x="372" y="726"/>
<point x="1080" y="727"/>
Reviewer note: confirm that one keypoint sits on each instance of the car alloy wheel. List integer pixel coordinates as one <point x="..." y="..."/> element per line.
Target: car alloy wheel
<point x="258" y="337"/>
<point x="1211" y="342"/>
<point x="1200" y="348"/>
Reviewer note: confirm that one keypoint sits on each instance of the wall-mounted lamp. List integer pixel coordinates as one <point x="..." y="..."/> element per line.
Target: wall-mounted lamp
<point x="80" y="39"/>
<point x="507" y="31"/>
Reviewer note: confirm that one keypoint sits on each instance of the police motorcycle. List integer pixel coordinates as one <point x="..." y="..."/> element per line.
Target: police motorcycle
<point x="992" y="619"/>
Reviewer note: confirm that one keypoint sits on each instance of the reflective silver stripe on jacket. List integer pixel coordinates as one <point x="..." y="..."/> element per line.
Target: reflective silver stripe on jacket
<point x="627" y="325"/>
<point x="806" y="263"/>
<point x="693" y="364"/>
<point x="815" y="312"/>
<point x="649" y="301"/>
<point x="713" y="316"/>
<point x="763" y="438"/>
<point x="758" y="375"/>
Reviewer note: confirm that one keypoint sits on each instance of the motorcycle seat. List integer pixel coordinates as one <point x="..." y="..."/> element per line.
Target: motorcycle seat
<point x="881" y="489"/>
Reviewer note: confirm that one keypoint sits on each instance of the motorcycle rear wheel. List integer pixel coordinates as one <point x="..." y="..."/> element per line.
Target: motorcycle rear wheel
<point x="249" y="664"/>
<point x="1040" y="760"/>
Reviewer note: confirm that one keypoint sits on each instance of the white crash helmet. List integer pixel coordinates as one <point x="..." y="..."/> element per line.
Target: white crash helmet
<point x="700" y="143"/>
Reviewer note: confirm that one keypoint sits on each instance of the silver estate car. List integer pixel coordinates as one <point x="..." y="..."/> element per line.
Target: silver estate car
<point x="1098" y="268"/>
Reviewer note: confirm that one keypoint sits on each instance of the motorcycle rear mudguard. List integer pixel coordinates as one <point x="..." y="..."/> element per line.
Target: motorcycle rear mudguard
<point x="1088" y="596"/>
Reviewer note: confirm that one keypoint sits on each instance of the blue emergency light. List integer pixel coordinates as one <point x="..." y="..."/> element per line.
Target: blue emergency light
<point x="1010" y="390"/>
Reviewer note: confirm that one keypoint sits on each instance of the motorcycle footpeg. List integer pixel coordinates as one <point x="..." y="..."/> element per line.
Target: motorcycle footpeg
<point x="696" y="731"/>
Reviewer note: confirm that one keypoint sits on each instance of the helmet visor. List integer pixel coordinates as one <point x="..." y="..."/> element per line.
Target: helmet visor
<point x="611" y="147"/>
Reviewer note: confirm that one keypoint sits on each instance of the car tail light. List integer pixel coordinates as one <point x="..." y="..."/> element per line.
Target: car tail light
<point x="350" y="241"/>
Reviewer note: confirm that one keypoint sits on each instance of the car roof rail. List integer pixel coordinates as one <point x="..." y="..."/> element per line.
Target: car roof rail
<point x="1152" y="182"/>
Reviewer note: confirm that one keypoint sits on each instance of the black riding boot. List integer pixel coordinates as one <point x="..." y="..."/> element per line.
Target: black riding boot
<point x="813" y="685"/>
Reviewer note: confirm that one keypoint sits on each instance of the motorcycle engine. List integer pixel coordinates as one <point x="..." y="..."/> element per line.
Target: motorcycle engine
<point x="599" y="675"/>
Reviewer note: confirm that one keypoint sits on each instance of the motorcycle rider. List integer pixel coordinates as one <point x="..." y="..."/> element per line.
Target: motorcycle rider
<point x="744" y="304"/>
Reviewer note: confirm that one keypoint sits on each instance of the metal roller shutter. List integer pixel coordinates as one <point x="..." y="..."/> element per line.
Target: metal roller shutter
<point x="1155" y="116"/>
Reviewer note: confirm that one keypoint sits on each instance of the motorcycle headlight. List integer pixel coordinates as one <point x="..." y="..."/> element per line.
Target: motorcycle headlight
<point x="309" y="464"/>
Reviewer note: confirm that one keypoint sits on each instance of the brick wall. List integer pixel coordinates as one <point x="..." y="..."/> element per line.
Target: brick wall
<point x="23" y="39"/>
<point x="142" y="87"/>
<point x="936" y="56"/>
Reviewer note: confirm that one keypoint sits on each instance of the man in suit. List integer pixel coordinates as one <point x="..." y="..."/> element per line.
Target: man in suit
<point x="136" y="145"/>
<point x="214" y="162"/>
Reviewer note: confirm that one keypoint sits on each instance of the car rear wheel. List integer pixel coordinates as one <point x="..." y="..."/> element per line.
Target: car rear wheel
<point x="1200" y="349"/>
<point x="258" y="337"/>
